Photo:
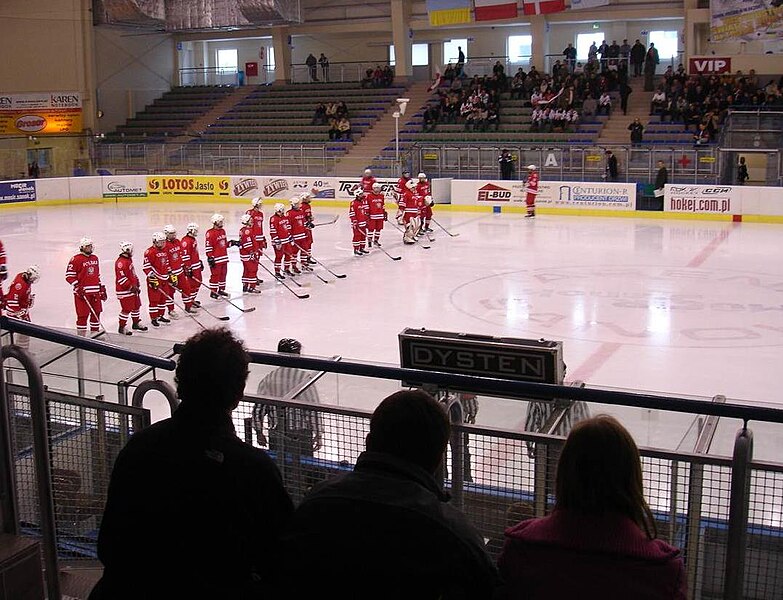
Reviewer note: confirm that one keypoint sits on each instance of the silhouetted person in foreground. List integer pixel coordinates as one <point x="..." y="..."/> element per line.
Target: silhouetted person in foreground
<point x="599" y="542"/>
<point x="386" y="530"/>
<point x="193" y="511"/>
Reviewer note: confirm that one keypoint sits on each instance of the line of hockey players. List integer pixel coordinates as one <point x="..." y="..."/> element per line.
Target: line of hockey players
<point x="173" y="266"/>
<point x="368" y="211"/>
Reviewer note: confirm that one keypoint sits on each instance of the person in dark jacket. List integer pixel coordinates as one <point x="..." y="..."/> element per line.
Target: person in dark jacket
<point x="637" y="129"/>
<point x="742" y="171"/>
<point x="638" y="53"/>
<point x="601" y="529"/>
<point x="612" y="169"/>
<point x="661" y="178"/>
<point x="193" y="511"/>
<point x="506" y="162"/>
<point x="386" y="529"/>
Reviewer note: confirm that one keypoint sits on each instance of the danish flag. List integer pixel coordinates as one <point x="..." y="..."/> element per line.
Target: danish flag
<point x="543" y="7"/>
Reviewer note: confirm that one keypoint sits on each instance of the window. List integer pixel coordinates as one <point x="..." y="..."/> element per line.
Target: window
<point x="666" y="43"/>
<point x="420" y="55"/>
<point x="519" y="48"/>
<point x="451" y="50"/>
<point x="584" y="41"/>
<point x="270" y="58"/>
<point x="227" y="59"/>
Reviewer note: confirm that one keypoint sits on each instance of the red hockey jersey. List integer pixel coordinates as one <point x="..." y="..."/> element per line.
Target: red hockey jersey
<point x="126" y="282"/>
<point x="297" y="219"/>
<point x="258" y="223"/>
<point x="84" y="274"/>
<point x="19" y="298"/>
<point x="249" y="248"/>
<point x="357" y="214"/>
<point x="216" y="245"/>
<point x="279" y="229"/>
<point x="190" y="259"/>
<point x="366" y="183"/>
<point x="156" y="264"/>
<point x="376" y="205"/>
<point x="532" y="183"/>
<point x="174" y="249"/>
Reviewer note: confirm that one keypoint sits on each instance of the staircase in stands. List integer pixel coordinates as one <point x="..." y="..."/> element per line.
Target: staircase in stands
<point x="221" y="108"/>
<point x="381" y="135"/>
<point x="615" y="130"/>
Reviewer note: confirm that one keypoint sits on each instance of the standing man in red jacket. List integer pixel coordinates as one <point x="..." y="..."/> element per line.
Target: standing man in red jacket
<point x="280" y="232"/>
<point x="310" y="225"/>
<point x="156" y="268"/>
<point x="296" y="217"/>
<point x="19" y="299"/>
<point x="377" y="215"/>
<point x="128" y="289"/>
<point x="174" y="248"/>
<point x="84" y="275"/>
<point x="358" y="217"/>
<point x="217" y="257"/>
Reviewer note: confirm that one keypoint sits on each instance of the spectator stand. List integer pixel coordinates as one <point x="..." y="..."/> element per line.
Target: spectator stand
<point x="339" y="72"/>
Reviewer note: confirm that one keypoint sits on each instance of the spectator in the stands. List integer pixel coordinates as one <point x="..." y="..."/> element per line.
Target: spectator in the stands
<point x="614" y="55"/>
<point x="324" y="62"/>
<point x="637" y="130"/>
<point x="312" y="66"/>
<point x="605" y="104"/>
<point x="460" y="69"/>
<point x="625" y="91"/>
<point x="319" y="116"/>
<point x="506" y="163"/>
<point x="658" y="101"/>
<point x="331" y="109"/>
<point x="601" y="528"/>
<point x="518" y="84"/>
<point x="367" y="79"/>
<point x="625" y="54"/>
<point x="638" y="53"/>
<point x="651" y="62"/>
<point x="612" y="167"/>
<point x="341" y="109"/>
<point x="377" y="77"/>
<point x="603" y="50"/>
<point x="334" y="131"/>
<point x="592" y="54"/>
<point x="388" y="76"/>
<point x="702" y="135"/>
<point x="589" y="106"/>
<point x="430" y="117"/>
<point x="570" y="57"/>
<point x="500" y="71"/>
<point x="388" y="521"/>
<point x="493" y="117"/>
<point x="344" y="129"/>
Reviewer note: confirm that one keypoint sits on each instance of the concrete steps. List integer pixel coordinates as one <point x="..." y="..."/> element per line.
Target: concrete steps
<point x="381" y="134"/>
<point x="615" y="130"/>
<point x="220" y="109"/>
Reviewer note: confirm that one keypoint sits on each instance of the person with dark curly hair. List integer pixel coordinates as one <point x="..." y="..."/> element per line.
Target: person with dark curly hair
<point x="193" y="511"/>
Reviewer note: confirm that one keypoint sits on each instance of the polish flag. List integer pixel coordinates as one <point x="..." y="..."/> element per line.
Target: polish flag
<point x="492" y="10"/>
<point x="543" y="7"/>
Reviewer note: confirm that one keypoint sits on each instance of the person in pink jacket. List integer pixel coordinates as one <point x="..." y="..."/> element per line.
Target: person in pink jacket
<point x="599" y="541"/>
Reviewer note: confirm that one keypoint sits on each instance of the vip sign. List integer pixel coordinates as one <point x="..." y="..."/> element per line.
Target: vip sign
<point x="709" y="66"/>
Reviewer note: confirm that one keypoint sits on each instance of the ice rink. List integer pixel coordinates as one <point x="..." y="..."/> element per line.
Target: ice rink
<point x="676" y="306"/>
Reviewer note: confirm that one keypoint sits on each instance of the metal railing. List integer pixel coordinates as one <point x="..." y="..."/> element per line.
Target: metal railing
<point x="190" y="76"/>
<point x="706" y="505"/>
<point x="569" y="163"/>
<point x="335" y="72"/>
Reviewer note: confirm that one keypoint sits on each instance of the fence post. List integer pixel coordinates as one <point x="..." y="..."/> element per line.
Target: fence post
<point x="739" y="501"/>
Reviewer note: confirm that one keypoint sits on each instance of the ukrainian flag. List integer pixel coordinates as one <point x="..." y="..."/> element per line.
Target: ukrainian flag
<point x="448" y="12"/>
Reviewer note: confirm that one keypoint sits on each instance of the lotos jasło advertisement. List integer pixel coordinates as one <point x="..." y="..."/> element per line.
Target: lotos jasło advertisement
<point x="187" y="185"/>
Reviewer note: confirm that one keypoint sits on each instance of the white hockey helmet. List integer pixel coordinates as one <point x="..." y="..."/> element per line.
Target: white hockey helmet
<point x="33" y="273"/>
<point x="411" y="185"/>
<point x="84" y="242"/>
<point x="306" y="196"/>
<point x="126" y="247"/>
<point x="217" y="218"/>
<point x="256" y="202"/>
<point x="192" y="228"/>
<point x="158" y="237"/>
<point x="367" y="172"/>
<point x="169" y="229"/>
<point x="421" y="176"/>
<point x="532" y="167"/>
<point x="376" y="187"/>
<point x="428" y="200"/>
<point x="296" y="201"/>
<point x="280" y="208"/>
<point x="246" y="219"/>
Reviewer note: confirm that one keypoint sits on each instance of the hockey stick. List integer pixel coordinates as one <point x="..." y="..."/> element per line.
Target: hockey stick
<point x="299" y="295"/>
<point x="291" y="275"/>
<point x="178" y="305"/>
<point x="310" y="269"/>
<point x="381" y="248"/>
<point x="244" y="310"/>
<point x="332" y="222"/>
<point x="93" y="313"/>
<point x="210" y="313"/>
<point x="318" y="262"/>
<point x="444" y="229"/>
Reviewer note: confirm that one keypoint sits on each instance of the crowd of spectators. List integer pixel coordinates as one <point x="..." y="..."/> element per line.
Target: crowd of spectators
<point x="701" y="102"/>
<point x="335" y="115"/>
<point x="193" y="511"/>
<point x="379" y="77"/>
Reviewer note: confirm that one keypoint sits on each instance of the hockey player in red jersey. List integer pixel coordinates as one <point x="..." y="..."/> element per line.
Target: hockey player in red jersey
<point x="408" y="212"/>
<point x="156" y="268"/>
<point x="84" y="275"/>
<point x="217" y="257"/>
<point x="249" y="252"/>
<point x="367" y="181"/>
<point x="377" y="215"/>
<point x="192" y="267"/>
<point x="256" y="212"/>
<point x="310" y="225"/>
<point x="358" y="216"/>
<point x="280" y="234"/>
<point x="128" y="288"/>
<point x="174" y="248"/>
<point x="531" y="189"/>
<point x="423" y="186"/>
<point x="19" y="299"/>
<point x="296" y="217"/>
<point x="402" y="183"/>
<point x="426" y="213"/>
<point x="3" y="267"/>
